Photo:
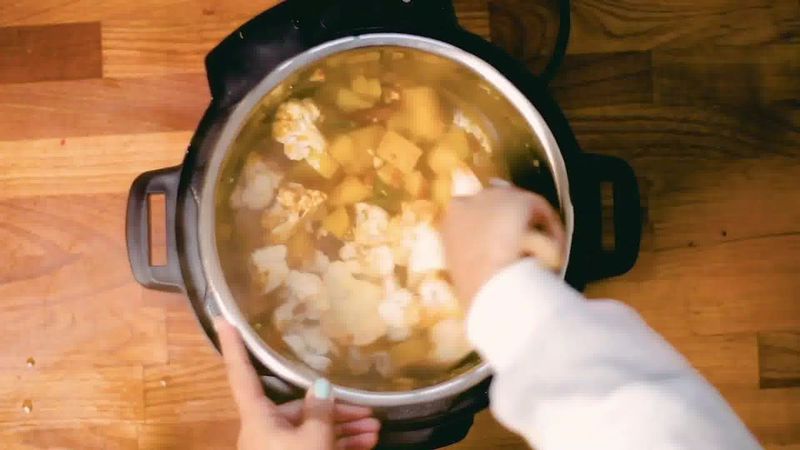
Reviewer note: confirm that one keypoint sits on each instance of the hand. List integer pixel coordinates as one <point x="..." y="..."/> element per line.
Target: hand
<point x="486" y="232"/>
<point x="298" y="425"/>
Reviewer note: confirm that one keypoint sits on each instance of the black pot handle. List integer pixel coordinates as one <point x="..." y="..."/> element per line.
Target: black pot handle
<point x="137" y="229"/>
<point x="627" y="216"/>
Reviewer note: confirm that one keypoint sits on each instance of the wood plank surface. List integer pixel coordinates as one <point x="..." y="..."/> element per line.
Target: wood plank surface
<point x="62" y="109"/>
<point x="779" y="359"/>
<point x="50" y="52"/>
<point x="701" y="98"/>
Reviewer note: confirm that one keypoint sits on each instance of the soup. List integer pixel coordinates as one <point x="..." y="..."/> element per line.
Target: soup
<point x="329" y="205"/>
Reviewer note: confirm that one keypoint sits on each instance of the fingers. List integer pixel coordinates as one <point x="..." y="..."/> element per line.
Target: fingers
<point x="242" y="377"/>
<point x="356" y="427"/>
<point x="318" y="411"/>
<point x="544" y="216"/>
<point x="342" y="413"/>
<point x="363" y="441"/>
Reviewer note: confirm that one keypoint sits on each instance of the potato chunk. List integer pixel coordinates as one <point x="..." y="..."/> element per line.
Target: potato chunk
<point x="351" y="190"/>
<point x="369" y="88"/>
<point x="455" y="141"/>
<point x="323" y="163"/>
<point x="391" y="175"/>
<point x="300" y="248"/>
<point x="352" y="150"/>
<point x="440" y="191"/>
<point x="337" y="222"/>
<point x="415" y="184"/>
<point x="348" y="101"/>
<point x="399" y="151"/>
<point x="423" y="115"/>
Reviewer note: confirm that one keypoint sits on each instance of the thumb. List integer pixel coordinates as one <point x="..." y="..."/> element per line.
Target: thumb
<point x="318" y="411"/>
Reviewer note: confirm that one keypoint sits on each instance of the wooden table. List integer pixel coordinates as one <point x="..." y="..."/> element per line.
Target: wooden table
<point x="701" y="97"/>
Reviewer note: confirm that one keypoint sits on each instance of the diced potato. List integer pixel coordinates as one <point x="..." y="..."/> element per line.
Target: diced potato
<point x="300" y="248"/>
<point x="369" y="88"/>
<point x="440" y="191"/>
<point x="348" y="101"/>
<point x="399" y="151"/>
<point x="366" y="139"/>
<point x="350" y="190"/>
<point x="337" y="222"/>
<point x="423" y="113"/>
<point x="391" y="175"/>
<point x="414" y="184"/>
<point x="352" y="150"/>
<point x="354" y="161"/>
<point x="324" y="164"/>
<point x="442" y="161"/>
<point x="455" y="140"/>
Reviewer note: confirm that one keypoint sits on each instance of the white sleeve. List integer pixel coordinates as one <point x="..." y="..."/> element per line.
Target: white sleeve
<point x="578" y="374"/>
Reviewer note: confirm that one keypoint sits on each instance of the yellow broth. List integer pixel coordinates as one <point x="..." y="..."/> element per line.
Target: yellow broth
<point x="412" y="94"/>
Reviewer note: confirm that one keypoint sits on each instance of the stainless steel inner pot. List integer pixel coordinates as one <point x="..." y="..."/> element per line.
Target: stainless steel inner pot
<point x="218" y="289"/>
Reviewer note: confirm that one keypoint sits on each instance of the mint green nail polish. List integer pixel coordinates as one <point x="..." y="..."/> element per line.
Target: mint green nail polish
<point x="322" y="389"/>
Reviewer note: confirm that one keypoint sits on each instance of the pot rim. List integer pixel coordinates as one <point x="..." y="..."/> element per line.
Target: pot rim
<point x="217" y="286"/>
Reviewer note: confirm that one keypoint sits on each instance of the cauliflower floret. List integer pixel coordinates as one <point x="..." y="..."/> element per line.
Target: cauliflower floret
<point x="257" y="184"/>
<point x="449" y="341"/>
<point x="293" y="204"/>
<point x="353" y="314"/>
<point x="371" y="224"/>
<point x="437" y="296"/>
<point x="380" y="261"/>
<point x="310" y="345"/>
<point x="285" y="314"/>
<point x="270" y="262"/>
<point x="464" y="182"/>
<point x="308" y="289"/>
<point x="295" y="128"/>
<point x="320" y="263"/>
<point x="427" y="251"/>
<point x="401" y="229"/>
<point x="303" y="285"/>
<point x="398" y="309"/>
<point x="462" y="121"/>
<point x="371" y="261"/>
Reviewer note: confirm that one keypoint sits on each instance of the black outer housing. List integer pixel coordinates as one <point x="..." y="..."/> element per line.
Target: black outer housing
<point x="245" y="57"/>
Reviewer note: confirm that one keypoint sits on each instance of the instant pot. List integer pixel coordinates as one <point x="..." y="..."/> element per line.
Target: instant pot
<point x="255" y="59"/>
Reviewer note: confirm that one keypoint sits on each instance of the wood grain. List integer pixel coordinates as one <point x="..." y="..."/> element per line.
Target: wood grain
<point x="85" y="165"/>
<point x="604" y="79"/>
<point x="76" y="393"/>
<point x="50" y="52"/>
<point x="164" y="45"/>
<point x="66" y="292"/>
<point x="115" y="435"/>
<point x="622" y="26"/>
<point x="187" y="391"/>
<point x="199" y="435"/>
<point x="24" y="12"/>
<point x="62" y="109"/>
<point x="779" y="359"/>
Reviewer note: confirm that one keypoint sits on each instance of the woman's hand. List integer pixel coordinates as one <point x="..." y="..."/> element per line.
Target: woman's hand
<point x="316" y="423"/>
<point x="488" y="231"/>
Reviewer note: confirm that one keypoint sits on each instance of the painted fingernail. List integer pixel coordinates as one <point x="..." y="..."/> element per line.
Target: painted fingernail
<point x="322" y="389"/>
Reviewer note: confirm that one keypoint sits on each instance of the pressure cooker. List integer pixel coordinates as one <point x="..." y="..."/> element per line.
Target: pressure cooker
<point x="255" y="59"/>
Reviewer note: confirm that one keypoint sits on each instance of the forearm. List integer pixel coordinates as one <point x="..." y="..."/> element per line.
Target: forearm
<point x="571" y="373"/>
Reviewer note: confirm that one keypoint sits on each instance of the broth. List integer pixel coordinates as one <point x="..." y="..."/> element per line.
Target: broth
<point x="327" y="211"/>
